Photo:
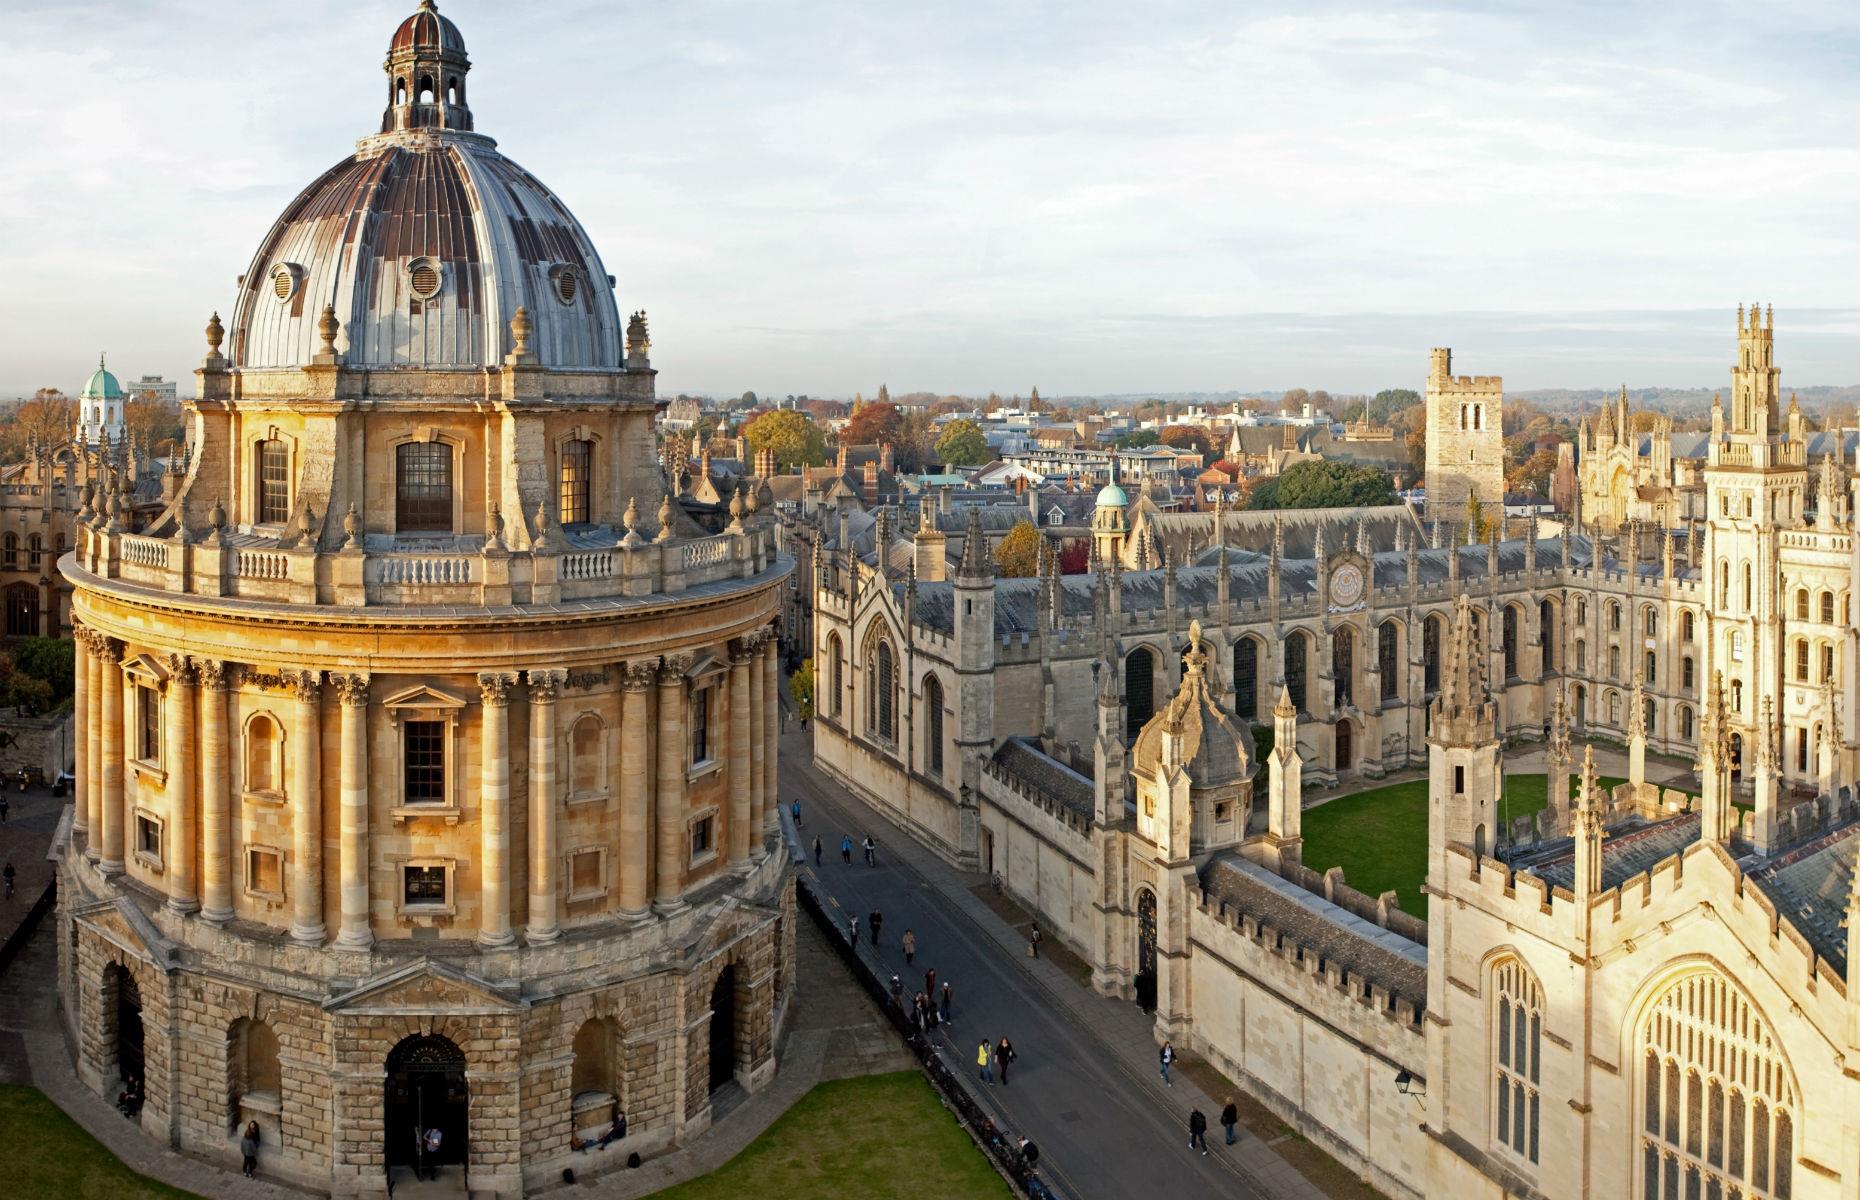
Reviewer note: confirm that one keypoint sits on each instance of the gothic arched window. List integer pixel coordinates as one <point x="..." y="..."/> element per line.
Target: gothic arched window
<point x="837" y="656"/>
<point x="880" y="713"/>
<point x="1546" y="625"/>
<point x="1685" y="625"/>
<point x="1295" y="654"/>
<point x="1388" y="664"/>
<point x="1430" y="654"/>
<point x="1509" y="635"/>
<point x="1517" y="1042"/>
<point x="1827" y="608"/>
<point x="1718" y="1104"/>
<point x="933" y="725"/>
<point x="1343" y="666"/>
<point x="1246" y="678"/>
<point x="1685" y="723"/>
<point x="1139" y="689"/>
<point x="1801" y="660"/>
<point x="1801" y="604"/>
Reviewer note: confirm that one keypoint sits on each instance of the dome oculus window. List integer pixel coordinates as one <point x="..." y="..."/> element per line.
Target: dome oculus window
<point x="424" y="278"/>
<point x="284" y="280"/>
<point x="566" y="283"/>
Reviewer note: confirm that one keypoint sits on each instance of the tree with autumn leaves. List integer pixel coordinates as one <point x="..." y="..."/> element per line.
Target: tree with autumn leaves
<point x="962" y="444"/>
<point x="796" y="440"/>
<point x="1018" y="555"/>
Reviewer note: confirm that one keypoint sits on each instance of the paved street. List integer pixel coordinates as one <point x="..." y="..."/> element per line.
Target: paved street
<point x="1085" y="1088"/>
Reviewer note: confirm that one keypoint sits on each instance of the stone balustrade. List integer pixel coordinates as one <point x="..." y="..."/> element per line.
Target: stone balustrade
<point x="472" y="573"/>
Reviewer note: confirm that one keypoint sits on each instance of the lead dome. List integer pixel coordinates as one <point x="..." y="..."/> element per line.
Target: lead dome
<point x="425" y="242"/>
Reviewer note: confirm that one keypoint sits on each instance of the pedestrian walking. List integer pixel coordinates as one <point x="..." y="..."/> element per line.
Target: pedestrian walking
<point x="852" y="924"/>
<point x="1166" y="1056"/>
<point x="1004" y="1054"/>
<point x="1033" y="940"/>
<point x="846" y="849"/>
<point x="795" y="808"/>
<point x="1230" y="1116"/>
<point x="433" y="1138"/>
<point x="248" y="1150"/>
<point x="1029" y="1153"/>
<point x="8" y="874"/>
<point x="871" y="851"/>
<point x="949" y="1003"/>
<point x="981" y="1060"/>
<point x="919" y="1006"/>
<point x="1198" y="1131"/>
<point x="930" y="982"/>
<point x="6" y="806"/>
<point x="816" y="851"/>
<point x="877" y="919"/>
<point x="909" y="945"/>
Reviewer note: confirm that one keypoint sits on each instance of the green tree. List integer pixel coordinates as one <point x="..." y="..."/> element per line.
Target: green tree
<point x="962" y="444"/>
<point x="1388" y="403"/>
<point x="796" y="441"/>
<point x="1138" y="440"/>
<point x="53" y="660"/>
<point x="801" y="688"/>
<point x="1018" y="555"/>
<point x="1326" y="483"/>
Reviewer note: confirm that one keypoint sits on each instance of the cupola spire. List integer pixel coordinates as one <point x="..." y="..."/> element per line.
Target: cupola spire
<point x="426" y="68"/>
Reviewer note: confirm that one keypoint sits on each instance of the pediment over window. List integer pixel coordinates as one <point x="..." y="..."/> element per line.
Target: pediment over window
<point x="427" y="986"/>
<point x="423" y="698"/>
<point x="147" y="669"/>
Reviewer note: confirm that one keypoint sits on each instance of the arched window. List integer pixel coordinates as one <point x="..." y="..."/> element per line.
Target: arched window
<point x="1650" y="620"/>
<point x="576" y="472"/>
<point x="1747" y="587"/>
<point x="880" y="701"/>
<point x="595" y="1052"/>
<point x="1650" y="717"/>
<point x="1801" y="749"/>
<point x="22" y="610"/>
<point x="1737" y="645"/>
<point x="1652" y="662"/>
<point x="1827" y="663"/>
<point x="423" y="488"/>
<point x="1295" y="654"/>
<point x="1827" y="608"/>
<point x="252" y="1069"/>
<point x="1801" y="660"/>
<point x="1688" y="674"/>
<point x="1517" y="1040"/>
<point x="1685" y="723"/>
<point x="1614" y="616"/>
<point x="274" y="483"/>
<point x="1614" y="662"/>
<point x="1801" y="604"/>
<point x="1343" y="666"/>
<point x="837" y="656"/>
<point x="1685" y="625"/>
<point x="1614" y="709"/>
<point x="1546" y="627"/>
<point x="1582" y="656"/>
<point x="933" y="725"/>
<point x="1388" y="664"/>
<point x="35" y="551"/>
<point x="426" y="89"/>
<point x="585" y="743"/>
<point x="9" y="551"/>
<point x="1430" y="654"/>
<point x="1246" y="678"/>
<point x="1724" y="584"/>
<point x="1509" y="635"/>
<point x="1139" y="689"/>
<point x="264" y="763"/>
<point x="1737" y="695"/>
<point x="1582" y="610"/>
<point x="1718" y="1101"/>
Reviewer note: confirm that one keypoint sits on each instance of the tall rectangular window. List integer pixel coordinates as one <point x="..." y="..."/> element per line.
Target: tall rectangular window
<point x="700" y="726"/>
<point x="577" y="469"/>
<point x="274" y="482"/>
<point x="423" y="757"/>
<point x="149" y="746"/>
<point x="423" y="488"/>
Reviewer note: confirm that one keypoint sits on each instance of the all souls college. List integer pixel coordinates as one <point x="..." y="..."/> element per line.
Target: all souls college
<point x="428" y="768"/>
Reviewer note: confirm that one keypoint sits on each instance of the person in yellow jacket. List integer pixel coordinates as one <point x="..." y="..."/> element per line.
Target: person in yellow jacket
<point x="981" y="1060"/>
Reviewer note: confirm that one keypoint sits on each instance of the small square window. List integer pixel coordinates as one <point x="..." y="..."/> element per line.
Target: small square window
<point x="701" y="837"/>
<point x="584" y="874"/>
<point x="264" y="872"/>
<point x="423" y="886"/>
<point x="148" y="837"/>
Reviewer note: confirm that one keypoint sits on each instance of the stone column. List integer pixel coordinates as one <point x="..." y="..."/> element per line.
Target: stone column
<point x="545" y="686"/>
<point x="635" y="791"/>
<point x="355" y="931"/>
<point x="182" y="843"/>
<point x="92" y="733"/>
<point x="307" y="809"/>
<point x="739" y="756"/>
<point x="80" y="704"/>
<point x="771" y="733"/>
<point x="758" y="795"/>
<point x="110" y="720"/>
<point x="494" y="810"/>
<point x="216" y="853"/>
<point x="669" y="799"/>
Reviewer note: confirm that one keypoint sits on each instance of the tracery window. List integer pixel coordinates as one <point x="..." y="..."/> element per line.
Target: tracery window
<point x="1517" y="1044"/>
<point x="1343" y="666"/>
<point x="1295" y="668"/>
<point x="1718" y="1105"/>
<point x="1509" y="635"/>
<point x="1246" y="678"/>
<point x="838" y="656"/>
<point x="1546" y="626"/>
<point x="882" y="683"/>
<point x="1430" y="654"/>
<point x="1387" y="666"/>
<point x="933" y="725"/>
<point x="1139" y="689"/>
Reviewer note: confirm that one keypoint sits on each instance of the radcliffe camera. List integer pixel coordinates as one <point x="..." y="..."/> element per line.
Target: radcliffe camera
<point x="821" y="603"/>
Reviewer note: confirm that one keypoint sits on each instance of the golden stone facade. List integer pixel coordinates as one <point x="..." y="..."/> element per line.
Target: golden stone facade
<point x="427" y="774"/>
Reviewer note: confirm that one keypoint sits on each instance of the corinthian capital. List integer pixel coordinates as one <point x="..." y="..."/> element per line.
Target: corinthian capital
<point x="637" y="676"/>
<point x="213" y="674"/>
<point x="673" y="666"/>
<point x="109" y="650"/>
<point x="494" y="686"/>
<point x="183" y="669"/>
<point x="306" y="686"/>
<point x="352" y="689"/>
<point x="546" y="686"/>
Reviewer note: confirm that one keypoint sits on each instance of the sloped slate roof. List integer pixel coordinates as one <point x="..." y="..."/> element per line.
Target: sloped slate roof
<point x="1023" y="759"/>
<point x="1626" y="852"/>
<point x="1810" y="887"/>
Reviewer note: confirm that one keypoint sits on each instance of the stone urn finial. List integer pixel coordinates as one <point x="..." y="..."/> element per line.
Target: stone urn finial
<point x="497" y="527"/>
<point x="520" y="331"/>
<point x="352" y="529"/>
<point x="216" y="333"/>
<point x="665" y="519"/>
<point x="327" y="327"/>
<point x="630" y="519"/>
<point x="736" y="511"/>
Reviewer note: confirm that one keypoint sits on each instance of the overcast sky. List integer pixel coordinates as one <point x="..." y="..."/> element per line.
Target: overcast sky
<point x="1088" y="197"/>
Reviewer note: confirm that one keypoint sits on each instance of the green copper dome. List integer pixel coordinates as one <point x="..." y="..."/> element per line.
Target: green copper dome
<point x="102" y="385"/>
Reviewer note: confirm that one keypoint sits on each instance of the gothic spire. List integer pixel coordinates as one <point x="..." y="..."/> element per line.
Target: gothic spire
<point x="1464" y="704"/>
<point x="977" y="562"/>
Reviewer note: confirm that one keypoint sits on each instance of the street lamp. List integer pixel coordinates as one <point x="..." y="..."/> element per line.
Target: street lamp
<point x="1410" y="1084"/>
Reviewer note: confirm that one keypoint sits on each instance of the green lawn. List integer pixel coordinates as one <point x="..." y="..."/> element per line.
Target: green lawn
<point x="1379" y="837"/>
<point x="49" y="1154"/>
<point x="872" y="1138"/>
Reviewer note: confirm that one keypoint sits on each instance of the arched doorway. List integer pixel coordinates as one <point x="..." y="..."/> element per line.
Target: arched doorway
<point x="126" y="1009"/>
<point x="723" y="1028"/>
<point x="1346" y="746"/>
<point x="1146" y="950"/>
<point x="426" y="1089"/>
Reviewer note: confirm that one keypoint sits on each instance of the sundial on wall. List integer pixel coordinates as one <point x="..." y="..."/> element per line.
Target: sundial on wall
<point x="1346" y="586"/>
